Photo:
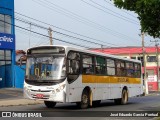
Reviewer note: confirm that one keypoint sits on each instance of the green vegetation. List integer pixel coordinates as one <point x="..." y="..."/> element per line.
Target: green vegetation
<point x="148" y="13"/>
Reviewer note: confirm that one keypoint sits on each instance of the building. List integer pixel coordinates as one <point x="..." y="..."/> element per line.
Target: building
<point x="136" y="53"/>
<point x="7" y="43"/>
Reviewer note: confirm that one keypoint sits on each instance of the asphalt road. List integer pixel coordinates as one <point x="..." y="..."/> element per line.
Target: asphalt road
<point x="145" y="103"/>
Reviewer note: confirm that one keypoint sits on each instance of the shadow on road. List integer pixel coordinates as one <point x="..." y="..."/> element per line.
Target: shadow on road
<point x="73" y="106"/>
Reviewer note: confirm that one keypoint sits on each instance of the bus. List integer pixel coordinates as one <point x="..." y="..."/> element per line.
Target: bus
<point x="62" y="74"/>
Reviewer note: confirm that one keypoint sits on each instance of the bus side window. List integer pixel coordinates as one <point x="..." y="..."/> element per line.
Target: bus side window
<point x="111" y="67"/>
<point x="100" y="65"/>
<point x="130" y="69"/>
<point x="87" y="64"/>
<point x="120" y="68"/>
<point x="73" y="63"/>
<point x="137" y="72"/>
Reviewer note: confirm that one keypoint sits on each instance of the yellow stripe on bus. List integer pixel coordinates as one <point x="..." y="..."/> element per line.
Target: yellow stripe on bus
<point x="109" y="79"/>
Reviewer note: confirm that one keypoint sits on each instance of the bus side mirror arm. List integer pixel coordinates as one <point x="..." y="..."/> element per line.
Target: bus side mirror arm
<point x="21" y="59"/>
<point x="20" y="64"/>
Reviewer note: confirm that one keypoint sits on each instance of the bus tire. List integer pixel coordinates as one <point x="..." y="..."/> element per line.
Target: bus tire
<point x="124" y="98"/>
<point x="84" y="100"/>
<point x="50" y="104"/>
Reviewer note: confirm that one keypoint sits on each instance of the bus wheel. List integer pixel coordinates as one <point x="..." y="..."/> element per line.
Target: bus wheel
<point x="96" y="103"/>
<point x="122" y="100"/>
<point x="49" y="104"/>
<point x="84" y="100"/>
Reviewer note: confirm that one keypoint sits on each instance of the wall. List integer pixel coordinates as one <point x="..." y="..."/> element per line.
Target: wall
<point x="19" y="76"/>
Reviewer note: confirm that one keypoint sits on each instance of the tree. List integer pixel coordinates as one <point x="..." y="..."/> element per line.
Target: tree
<point x="148" y="13"/>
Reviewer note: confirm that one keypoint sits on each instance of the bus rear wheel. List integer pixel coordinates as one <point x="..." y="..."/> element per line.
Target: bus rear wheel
<point x="50" y="104"/>
<point x="123" y="100"/>
<point x="84" y="100"/>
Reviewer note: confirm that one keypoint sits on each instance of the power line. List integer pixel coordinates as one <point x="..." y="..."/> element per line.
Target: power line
<point x="82" y="19"/>
<point x="36" y="25"/>
<point x="92" y="47"/>
<point x="117" y="15"/>
<point x="46" y="28"/>
<point x="62" y="41"/>
<point x="44" y="35"/>
<point x="117" y="33"/>
<point x="35" y="35"/>
<point x="28" y="22"/>
<point x="65" y="29"/>
<point x="60" y="32"/>
<point x="119" y="9"/>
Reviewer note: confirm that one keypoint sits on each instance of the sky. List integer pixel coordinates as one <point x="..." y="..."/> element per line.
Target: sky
<point x="91" y="23"/>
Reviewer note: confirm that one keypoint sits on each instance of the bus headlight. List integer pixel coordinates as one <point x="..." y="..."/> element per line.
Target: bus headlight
<point x="28" y="90"/>
<point x="60" y="88"/>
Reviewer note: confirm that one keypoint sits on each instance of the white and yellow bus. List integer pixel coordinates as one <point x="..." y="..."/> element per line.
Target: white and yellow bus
<point x="61" y="74"/>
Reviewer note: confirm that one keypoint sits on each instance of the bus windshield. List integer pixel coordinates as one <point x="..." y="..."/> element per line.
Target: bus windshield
<point x="45" y="68"/>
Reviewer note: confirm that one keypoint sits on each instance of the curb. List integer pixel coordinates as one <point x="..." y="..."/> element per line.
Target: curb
<point x="152" y="94"/>
<point x="19" y="102"/>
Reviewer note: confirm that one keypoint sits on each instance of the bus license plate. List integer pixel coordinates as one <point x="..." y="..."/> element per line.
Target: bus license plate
<point x="39" y="96"/>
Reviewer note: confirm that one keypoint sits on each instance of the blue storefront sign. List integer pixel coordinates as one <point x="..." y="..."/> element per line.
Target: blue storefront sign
<point x="7" y="41"/>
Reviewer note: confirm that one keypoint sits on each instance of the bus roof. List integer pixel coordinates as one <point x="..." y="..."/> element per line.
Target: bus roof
<point x="68" y="48"/>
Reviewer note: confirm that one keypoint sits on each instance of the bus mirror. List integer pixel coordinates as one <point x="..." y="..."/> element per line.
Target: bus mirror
<point x="21" y="63"/>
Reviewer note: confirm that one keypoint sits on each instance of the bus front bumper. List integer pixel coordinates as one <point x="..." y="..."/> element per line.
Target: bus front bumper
<point x="45" y="95"/>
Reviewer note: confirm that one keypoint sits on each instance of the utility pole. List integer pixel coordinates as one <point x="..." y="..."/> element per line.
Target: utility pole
<point x="102" y="48"/>
<point x="157" y="61"/>
<point x="144" y="64"/>
<point x="50" y="35"/>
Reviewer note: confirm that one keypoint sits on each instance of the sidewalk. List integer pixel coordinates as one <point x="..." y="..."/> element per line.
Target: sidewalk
<point x="154" y="92"/>
<point x="14" y="97"/>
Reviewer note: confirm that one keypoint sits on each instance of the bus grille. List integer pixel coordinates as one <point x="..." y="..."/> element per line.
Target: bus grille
<point x="41" y="90"/>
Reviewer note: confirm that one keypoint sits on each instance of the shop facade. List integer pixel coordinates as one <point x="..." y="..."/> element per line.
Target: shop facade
<point x="7" y="43"/>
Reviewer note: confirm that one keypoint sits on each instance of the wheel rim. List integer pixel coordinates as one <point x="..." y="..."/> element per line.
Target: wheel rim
<point x="84" y="99"/>
<point x="125" y="97"/>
